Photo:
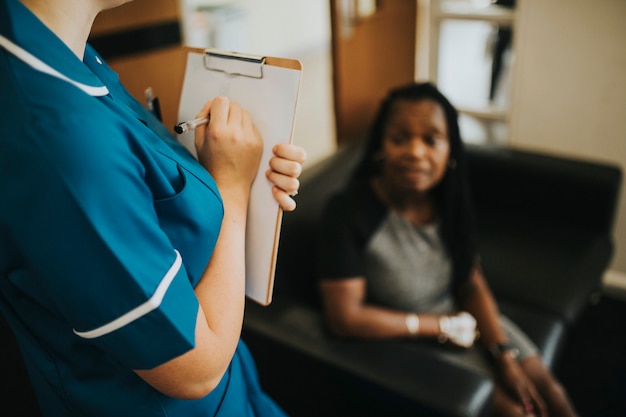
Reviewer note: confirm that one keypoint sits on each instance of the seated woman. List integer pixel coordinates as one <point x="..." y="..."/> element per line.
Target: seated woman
<point x="398" y="257"/>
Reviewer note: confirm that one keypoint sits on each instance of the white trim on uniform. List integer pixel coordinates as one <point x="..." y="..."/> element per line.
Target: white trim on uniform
<point x="41" y="66"/>
<point x="152" y="304"/>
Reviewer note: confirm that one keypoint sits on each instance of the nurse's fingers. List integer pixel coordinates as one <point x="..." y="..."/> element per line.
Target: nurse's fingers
<point x="284" y="200"/>
<point x="205" y="109"/>
<point x="200" y="130"/>
<point x="218" y="111"/>
<point x="290" y="151"/>
<point x="289" y="185"/>
<point x="286" y="167"/>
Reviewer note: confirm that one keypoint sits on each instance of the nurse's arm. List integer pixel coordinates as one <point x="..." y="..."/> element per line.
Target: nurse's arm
<point x="221" y="292"/>
<point x="228" y="148"/>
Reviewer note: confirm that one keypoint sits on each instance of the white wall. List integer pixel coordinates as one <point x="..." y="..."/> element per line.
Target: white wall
<point x="281" y="27"/>
<point x="569" y="91"/>
<point x="300" y="29"/>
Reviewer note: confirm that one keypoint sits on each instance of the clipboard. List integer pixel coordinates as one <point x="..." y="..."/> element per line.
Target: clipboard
<point x="267" y="87"/>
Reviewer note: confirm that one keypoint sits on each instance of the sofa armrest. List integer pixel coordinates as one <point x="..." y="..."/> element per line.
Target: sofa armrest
<point x="296" y="263"/>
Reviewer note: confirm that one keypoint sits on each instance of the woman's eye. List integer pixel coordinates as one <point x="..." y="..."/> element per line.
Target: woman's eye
<point x="398" y="139"/>
<point x="435" y="140"/>
<point x="441" y="140"/>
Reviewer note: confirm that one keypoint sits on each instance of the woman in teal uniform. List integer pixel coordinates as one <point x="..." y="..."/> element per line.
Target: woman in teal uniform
<point x="122" y="257"/>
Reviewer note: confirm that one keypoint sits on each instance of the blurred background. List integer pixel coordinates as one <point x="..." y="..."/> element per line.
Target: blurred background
<point x="540" y="75"/>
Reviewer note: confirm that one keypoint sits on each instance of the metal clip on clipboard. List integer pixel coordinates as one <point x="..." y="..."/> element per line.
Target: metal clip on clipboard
<point x="233" y="63"/>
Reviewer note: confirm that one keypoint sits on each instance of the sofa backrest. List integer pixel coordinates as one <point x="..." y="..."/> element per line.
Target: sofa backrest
<point x="295" y="268"/>
<point x="536" y="186"/>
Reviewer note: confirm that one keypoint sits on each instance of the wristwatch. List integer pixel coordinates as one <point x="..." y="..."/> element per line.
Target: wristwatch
<point x="500" y="349"/>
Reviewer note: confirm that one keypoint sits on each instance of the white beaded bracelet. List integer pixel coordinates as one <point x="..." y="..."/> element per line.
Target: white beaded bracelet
<point x="412" y="324"/>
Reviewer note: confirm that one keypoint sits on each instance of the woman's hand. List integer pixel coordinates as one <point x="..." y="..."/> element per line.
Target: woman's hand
<point x="458" y="329"/>
<point x="520" y="387"/>
<point x="229" y="146"/>
<point x="285" y="168"/>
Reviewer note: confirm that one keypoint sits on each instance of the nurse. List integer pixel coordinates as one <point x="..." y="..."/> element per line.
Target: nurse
<point x="121" y="256"/>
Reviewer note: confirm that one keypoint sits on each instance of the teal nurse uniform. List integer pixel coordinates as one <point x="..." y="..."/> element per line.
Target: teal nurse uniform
<point x="106" y="225"/>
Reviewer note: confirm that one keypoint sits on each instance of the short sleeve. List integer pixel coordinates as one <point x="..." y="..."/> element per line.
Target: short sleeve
<point x="348" y="222"/>
<point x="86" y="224"/>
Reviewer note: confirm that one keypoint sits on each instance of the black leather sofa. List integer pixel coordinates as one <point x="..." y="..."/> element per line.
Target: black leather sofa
<point x="545" y="225"/>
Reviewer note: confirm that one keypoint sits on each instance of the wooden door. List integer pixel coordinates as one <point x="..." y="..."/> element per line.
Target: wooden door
<point x="373" y="50"/>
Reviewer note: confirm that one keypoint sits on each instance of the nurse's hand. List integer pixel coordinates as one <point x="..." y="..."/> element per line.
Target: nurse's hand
<point x="229" y="146"/>
<point x="285" y="168"/>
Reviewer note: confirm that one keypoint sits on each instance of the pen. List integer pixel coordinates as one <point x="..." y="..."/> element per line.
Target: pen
<point x="184" y="127"/>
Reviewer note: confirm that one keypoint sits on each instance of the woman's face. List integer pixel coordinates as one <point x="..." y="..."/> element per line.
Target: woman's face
<point x="415" y="147"/>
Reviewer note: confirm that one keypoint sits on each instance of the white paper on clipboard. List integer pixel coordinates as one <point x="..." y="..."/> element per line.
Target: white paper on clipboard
<point x="268" y="89"/>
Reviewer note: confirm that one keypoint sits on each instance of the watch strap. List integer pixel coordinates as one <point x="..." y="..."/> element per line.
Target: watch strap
<point x="499" y="349"/>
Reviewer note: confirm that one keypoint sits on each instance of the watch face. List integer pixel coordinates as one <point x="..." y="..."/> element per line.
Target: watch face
<point x="512" y="352"/>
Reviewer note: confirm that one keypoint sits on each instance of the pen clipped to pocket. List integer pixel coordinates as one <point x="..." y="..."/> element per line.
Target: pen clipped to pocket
<point x="152" y="103"/>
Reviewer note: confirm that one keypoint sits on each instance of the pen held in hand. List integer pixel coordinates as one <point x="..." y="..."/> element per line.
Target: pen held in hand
<point x="184" y="127"/>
